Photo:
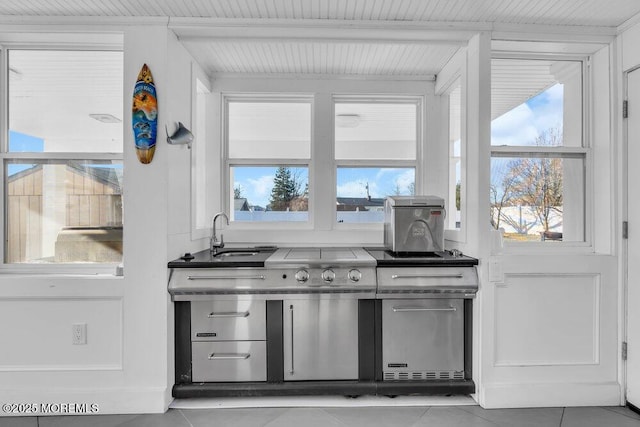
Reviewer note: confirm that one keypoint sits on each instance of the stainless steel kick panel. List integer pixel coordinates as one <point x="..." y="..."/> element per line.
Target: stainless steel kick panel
<point x="422" y="335"/>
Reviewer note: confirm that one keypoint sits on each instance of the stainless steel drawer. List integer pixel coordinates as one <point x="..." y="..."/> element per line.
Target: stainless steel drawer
<point x="392" y="280"/>
<point x="228" y="320"/>
<point x="229" y="361"/>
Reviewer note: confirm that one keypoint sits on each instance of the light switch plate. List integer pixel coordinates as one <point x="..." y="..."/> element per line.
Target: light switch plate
<point x="495" y="271"/>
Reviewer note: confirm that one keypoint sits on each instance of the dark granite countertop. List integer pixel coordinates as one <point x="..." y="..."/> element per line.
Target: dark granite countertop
<point x="256" y="256"/>
<point x="225" y="258"/>
<point x="386" y="258"/>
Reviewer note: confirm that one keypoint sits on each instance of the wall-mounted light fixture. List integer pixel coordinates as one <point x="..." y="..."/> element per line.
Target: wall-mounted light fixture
<point x="347" y="120"/>
<point x="105" y="118"/>
<point x="182" y="135"/>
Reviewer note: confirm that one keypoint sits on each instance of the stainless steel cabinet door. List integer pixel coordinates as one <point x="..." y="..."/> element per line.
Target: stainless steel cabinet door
<point x="423" y="336"/>
<point x="320" y="339"/>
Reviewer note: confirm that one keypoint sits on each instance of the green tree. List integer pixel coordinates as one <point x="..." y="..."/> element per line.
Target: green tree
<point x="237" y="192"/>
<point x="286" y="187"/>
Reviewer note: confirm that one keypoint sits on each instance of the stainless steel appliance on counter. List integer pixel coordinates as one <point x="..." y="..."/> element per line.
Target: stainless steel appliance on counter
<point x="414" y="224"/>
<point x="320" y="326"/>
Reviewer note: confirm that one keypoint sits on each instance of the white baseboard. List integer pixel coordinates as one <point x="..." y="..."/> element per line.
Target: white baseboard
<point x="79" y="401"/>
<point x="521" y="395"/>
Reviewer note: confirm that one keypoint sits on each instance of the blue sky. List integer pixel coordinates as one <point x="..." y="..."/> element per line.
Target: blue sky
<point x="524" y="123"/>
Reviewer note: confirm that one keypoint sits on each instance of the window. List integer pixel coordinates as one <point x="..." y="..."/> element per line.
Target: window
<point x="454" y="210"/>
<point x="268" y="157"/>
<point x="63" y="169"/>
<point x="375" y="153"/>
<point x="538" y="155"/>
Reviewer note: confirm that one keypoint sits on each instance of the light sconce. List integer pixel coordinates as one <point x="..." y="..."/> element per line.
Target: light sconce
<point x="347" y="120"/>
<point x="182" y="135"/>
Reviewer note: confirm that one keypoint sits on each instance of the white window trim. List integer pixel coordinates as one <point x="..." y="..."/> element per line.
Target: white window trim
<point x="227" y="163"/>
<point x="540" y="248"/>
<point x="79" y="269"/>
<point x="328" y="159"/>
<point x="197" y="75"/>
<point x="458" y="235"/>
<point x="419" y="101"/>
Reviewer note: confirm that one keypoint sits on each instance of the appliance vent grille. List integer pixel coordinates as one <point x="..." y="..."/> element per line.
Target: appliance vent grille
<point x="423" y="375"/>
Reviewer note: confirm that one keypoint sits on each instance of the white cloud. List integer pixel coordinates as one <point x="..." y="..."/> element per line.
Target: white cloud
<point x="262" y="185"/>
<point x="404" y="180"/>
<point x="257" y="191"/>
<point x="353" y="189"/>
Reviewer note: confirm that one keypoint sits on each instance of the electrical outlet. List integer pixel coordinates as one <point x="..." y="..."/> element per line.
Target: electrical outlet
<point x="79" y="333"/>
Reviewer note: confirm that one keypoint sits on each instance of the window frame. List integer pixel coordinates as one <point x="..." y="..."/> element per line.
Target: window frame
<point x="200" y="156"/>
<point x="416" y="164"/>
<point x="228" y="163"/>
<point x="456" y="234"/>
<point x="584" y="152"/>
<point x="108" y="268"/>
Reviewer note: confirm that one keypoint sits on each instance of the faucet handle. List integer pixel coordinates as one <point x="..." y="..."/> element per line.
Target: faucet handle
<point x="221" y="241"/>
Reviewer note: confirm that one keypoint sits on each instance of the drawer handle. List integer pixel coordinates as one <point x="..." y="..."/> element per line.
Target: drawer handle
<point x="229" y="356"/>
<point x="229" y="314"/>
<point x="428" y="276"/>
<point x="409" y="309"/>
<point x="259" y="277"/>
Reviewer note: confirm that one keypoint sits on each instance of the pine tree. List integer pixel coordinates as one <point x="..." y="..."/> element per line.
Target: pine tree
<point x="285" y="188"/>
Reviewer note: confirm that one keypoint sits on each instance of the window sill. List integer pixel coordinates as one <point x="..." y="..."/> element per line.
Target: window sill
<point x="89" y="271"/>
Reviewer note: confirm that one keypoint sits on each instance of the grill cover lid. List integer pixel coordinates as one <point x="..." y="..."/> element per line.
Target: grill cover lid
<point x="320" y="257"/>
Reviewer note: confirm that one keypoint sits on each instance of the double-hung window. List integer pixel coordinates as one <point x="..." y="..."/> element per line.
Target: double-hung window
<point x="539" y="157"/>
<point x="62" y="156"/>
<point x="376" y="152"/>
<point x="268" y="143"/>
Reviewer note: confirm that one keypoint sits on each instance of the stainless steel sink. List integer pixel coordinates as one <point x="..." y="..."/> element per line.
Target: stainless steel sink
<point x="235" y="253"/>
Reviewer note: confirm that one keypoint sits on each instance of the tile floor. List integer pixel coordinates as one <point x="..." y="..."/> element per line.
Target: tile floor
<point x="392" y="416"/>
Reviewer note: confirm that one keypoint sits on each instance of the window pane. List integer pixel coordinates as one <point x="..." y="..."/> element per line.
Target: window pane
<point x="375" y="131"/>
<point x="534" y="99"/>
<point x="455" y="156"/>
<point x="65" y="101"/>
<point x="64" y="212"/>
<point x="538" y="199"/>
<point x="270" y="193"/>
<point x="269" y="130"/>
<point x="361" y="191"/>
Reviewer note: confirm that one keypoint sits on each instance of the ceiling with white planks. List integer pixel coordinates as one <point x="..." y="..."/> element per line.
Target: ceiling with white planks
<point x="386" y="39"/>
<point x="610" y="13"/>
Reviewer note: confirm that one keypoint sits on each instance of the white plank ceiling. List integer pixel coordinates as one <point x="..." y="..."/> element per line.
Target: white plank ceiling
<point x="610" y="13"/>
<point x="212" y="30"/>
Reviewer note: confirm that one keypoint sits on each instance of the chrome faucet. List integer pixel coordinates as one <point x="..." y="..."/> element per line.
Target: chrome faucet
<point x="216" y="244"/>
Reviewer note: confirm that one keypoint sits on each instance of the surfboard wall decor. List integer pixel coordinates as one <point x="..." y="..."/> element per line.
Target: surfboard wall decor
<point x="145" y="115"/>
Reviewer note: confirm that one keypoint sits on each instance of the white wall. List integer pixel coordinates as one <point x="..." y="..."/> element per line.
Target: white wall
<point x="127" y="364"/>
<point x="568" y="309"/>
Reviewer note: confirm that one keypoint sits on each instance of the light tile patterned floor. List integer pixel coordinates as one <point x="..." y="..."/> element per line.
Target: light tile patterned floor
<point x="392" y="416"/>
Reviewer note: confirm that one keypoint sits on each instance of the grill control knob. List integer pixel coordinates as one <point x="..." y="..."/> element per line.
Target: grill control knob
<point x="328" y="276"/>
<point x="355" y="275"/>
<point x="302" y="276"/>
